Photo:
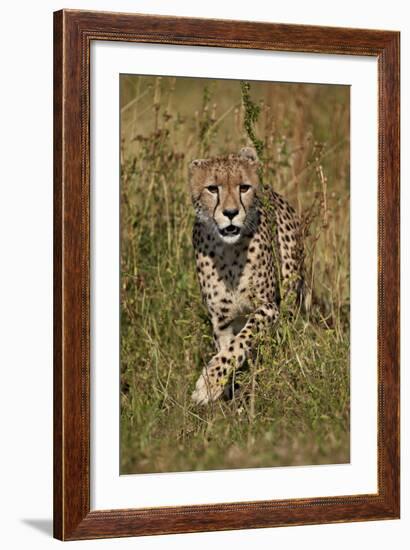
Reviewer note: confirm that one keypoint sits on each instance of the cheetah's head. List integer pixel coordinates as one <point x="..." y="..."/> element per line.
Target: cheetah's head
<point x="223" y="191"/>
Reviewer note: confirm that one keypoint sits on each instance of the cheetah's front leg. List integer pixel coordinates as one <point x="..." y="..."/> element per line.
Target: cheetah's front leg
<point x="215" y="375"/>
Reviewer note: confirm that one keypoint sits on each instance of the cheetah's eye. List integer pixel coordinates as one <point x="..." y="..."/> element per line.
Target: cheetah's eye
<point x="212" y="188"/>
<point x="243" y="188"/>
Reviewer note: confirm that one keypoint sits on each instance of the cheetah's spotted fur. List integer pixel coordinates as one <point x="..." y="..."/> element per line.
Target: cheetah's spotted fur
<point x="239" y="240"/>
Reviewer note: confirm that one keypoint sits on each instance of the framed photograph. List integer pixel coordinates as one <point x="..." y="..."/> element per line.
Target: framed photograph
<point x="226" y="275"/>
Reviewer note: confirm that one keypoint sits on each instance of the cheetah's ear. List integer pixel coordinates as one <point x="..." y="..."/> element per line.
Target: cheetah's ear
<point x="198" y="163"/>
<point x="249" y="153"/>
<point x="196" y="176"/>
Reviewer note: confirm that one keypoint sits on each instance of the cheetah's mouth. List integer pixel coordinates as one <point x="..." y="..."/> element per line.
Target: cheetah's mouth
<point x="230" y="231"/>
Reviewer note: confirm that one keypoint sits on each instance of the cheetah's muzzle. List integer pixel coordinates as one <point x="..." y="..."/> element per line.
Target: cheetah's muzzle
<point x="230" y="231"/>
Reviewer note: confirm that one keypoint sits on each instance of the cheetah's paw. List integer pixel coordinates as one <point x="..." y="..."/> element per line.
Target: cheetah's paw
<point x="207" y="388"/>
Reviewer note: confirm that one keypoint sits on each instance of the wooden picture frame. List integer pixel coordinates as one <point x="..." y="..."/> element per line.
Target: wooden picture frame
<point x="73" y="33"/>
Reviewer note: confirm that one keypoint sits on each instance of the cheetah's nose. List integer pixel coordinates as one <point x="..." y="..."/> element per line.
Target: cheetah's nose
<point x="231" y="213"/>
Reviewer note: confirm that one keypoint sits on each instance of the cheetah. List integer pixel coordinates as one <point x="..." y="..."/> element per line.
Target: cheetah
<point x="248" y="251"/>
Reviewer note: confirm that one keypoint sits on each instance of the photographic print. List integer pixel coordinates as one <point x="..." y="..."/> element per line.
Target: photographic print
<point x="219" y="323"/>
<point x="235" y="274"/>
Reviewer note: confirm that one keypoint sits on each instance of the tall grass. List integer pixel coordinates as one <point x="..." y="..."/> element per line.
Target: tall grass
<point x="292" y="405"/>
